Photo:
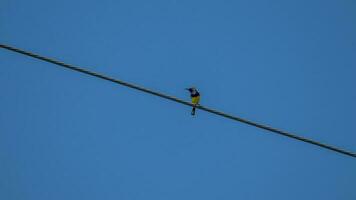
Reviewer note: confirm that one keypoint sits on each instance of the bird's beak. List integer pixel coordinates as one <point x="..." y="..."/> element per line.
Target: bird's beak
<point x="186" y="88"/>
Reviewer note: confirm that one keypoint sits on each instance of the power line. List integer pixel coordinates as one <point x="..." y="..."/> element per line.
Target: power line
<point x="130" y="85"/>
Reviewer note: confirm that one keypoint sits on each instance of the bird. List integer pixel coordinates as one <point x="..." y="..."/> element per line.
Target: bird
<point x="195" y="97"/>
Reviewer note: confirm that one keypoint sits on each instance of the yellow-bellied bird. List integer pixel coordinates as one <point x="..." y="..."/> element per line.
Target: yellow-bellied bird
<point x="195" y="96"/>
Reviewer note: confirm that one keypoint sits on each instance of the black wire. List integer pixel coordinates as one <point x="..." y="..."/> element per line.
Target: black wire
<point x="261" y="126"/>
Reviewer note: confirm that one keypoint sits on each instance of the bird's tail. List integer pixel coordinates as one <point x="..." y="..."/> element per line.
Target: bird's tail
<point x="193" y="111"/>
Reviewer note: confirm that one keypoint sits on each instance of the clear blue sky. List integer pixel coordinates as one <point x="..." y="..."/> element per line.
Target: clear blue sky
<point x="289" y="64"/>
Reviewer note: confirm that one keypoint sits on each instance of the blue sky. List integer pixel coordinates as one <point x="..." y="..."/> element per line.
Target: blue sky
<point x="289" y="64"/>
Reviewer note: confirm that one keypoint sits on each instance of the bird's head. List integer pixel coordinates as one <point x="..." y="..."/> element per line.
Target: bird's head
<point x="191" y="89"/>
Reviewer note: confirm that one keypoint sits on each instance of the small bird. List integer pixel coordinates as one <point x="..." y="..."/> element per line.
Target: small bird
<point x="195" y="96"/>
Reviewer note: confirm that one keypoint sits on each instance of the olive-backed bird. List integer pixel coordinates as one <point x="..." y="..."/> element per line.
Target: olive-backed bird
<point x="195" y="96"/>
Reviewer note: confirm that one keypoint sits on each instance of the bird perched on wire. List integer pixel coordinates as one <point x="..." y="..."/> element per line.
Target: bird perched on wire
<point x="195" y="96"/>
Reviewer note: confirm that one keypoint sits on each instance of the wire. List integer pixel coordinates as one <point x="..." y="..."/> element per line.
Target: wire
<point x="130" y="85"/>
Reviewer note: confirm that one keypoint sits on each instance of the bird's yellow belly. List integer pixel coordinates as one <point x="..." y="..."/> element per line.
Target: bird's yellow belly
<point x="195" y="100"/>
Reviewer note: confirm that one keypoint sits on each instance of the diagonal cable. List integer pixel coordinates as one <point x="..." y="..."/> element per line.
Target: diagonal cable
<point x="130" y="85"/>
